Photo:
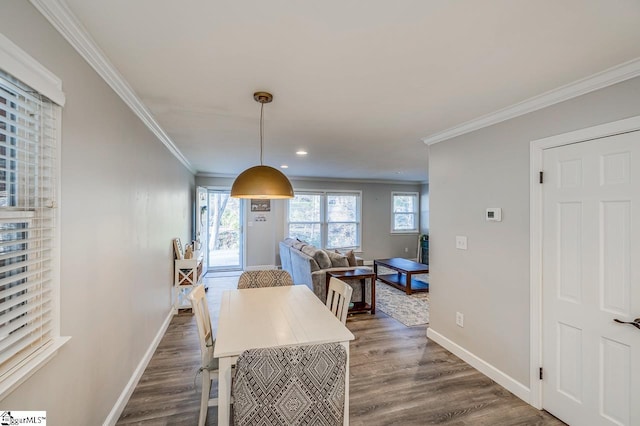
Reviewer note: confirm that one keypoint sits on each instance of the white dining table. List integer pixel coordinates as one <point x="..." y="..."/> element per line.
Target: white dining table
<point x="270" y="317"/>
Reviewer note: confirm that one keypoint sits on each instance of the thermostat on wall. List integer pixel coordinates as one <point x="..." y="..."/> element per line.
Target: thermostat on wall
<point x="494" y="214"/>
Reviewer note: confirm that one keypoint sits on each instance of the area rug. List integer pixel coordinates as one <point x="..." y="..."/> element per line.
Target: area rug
<point x="409" y="310"/>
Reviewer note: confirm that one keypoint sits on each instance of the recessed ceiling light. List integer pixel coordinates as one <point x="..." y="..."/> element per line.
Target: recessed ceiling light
<point x="284" y="166"/>
<point x="301" y="152"/>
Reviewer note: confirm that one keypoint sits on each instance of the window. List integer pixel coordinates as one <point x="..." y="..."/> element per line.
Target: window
<point x="404" y="212"/>
<point x="28" y="215"/>
<point x="326" y="219"/>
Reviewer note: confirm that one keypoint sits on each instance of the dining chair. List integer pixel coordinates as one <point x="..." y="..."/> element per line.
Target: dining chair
<point x="305" y="385"/>
<point x="209" y="365"/>
<point x="338" y="298"/>
<point x="264" y="278"/>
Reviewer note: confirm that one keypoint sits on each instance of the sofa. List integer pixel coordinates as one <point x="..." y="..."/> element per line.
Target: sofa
<point x="308" y="266"/>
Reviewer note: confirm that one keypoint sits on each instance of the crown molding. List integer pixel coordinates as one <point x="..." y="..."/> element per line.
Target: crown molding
<point x="608" y="77"/>
<point x="64" y="21"/>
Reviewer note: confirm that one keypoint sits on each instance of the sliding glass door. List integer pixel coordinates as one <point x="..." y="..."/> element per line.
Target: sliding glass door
<point x="225" y="232"/>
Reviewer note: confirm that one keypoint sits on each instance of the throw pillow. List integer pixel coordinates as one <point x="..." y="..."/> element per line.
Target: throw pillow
<point x="323" y="259"/>
<point x="309" y="250"/>
<point x="337" y="259"/>
<point x="318" y="255"/>
<point x="351" y="257"/>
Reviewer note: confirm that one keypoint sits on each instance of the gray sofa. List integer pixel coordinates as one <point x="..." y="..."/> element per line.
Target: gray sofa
<point x="308" y="265"/>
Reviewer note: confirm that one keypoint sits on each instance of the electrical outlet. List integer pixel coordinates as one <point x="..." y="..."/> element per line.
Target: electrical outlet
<point x="461" y="242"/>
<point x="459" y="319"/>
<point x="406" y="249"/>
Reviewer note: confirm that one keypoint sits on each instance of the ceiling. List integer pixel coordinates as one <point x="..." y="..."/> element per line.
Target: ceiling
<point x="356" y="83"/>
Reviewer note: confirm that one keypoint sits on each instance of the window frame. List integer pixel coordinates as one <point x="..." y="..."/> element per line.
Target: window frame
<point x="19" y="65"/>
<point x="324" y="213"/>
<point x="415" y="212"/>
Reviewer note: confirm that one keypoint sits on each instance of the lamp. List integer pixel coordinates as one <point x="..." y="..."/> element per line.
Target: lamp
<point x="262" y="182"/>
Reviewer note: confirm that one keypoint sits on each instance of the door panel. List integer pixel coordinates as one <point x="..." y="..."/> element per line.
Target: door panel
<point x="591" y="249"/>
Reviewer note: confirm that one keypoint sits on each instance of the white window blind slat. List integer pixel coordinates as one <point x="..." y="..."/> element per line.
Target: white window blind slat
<point x="27" y="221"/>
<point x="14" y="327"/>
<point x="27" y="252"/>
<point x="11" y="308"/>
<point x="23" y="341"/>
<point x="12" y="285"/>
<point x="5" y="244"/>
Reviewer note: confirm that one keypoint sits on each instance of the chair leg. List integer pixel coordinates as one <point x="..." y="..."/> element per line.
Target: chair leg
<point x="204" y="399"/>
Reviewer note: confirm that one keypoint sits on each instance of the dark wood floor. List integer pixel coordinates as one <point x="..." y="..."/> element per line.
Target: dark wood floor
<point x="397" y="378"/>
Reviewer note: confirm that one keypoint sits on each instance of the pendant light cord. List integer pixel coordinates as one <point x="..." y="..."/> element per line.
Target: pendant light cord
<point x="261" y="131"/>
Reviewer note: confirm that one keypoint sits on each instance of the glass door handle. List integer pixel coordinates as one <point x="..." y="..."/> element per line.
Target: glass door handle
<point x="635" y="322"/>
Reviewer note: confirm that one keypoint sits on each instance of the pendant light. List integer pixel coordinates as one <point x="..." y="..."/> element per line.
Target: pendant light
<point x="262" y="182"/>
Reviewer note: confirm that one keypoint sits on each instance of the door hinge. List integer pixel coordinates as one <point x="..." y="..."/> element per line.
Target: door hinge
<point x="541" y="177"/>
<point x="541" y="375"/>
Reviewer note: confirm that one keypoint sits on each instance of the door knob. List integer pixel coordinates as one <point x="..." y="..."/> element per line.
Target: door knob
<point x="635" y="322"/>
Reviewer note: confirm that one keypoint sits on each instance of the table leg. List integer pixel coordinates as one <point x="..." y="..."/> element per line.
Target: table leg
<point x="373" y="295"/>
<point x="408" y="283"/>
<point x="224" y="390"/>
<point x="346" y="386"/>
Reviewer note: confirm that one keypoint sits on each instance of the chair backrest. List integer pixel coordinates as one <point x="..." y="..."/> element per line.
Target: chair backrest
<point x="338" y="298"/>
<point x="200" y="308"/>
<point x="264" y="278"/>
<point x="305" y="385"/>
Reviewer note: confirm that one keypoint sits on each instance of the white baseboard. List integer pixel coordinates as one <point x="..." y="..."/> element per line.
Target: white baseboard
<point x="504" y="380"/>
<point x="117" y="409"/>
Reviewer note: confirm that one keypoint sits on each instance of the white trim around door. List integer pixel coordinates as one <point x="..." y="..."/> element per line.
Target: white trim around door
<point x="537" y="148"/>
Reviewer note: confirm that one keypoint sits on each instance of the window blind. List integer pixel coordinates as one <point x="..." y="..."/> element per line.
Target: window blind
<point x="27" y="222"/>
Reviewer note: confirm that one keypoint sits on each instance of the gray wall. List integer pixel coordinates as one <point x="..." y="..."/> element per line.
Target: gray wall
<point x="489" y="282"/>
<point x="424" y="208"/>
<point x="377" y="240"/>
<point x="124" y="197"/>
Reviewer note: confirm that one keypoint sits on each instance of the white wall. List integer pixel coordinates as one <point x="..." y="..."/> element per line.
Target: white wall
<point x="124" y="197"/>
<point x="489" y="282"/>
<point x="377" y="240"/>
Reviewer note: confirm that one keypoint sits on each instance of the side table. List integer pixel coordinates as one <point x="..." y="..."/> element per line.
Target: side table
<point x="364" y="275"/>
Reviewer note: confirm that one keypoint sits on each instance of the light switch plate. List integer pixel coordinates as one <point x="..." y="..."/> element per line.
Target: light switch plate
<point x="461" y="242"/>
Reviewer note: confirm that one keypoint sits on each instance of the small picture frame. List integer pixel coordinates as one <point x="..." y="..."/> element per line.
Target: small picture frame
<point x="177" y="249"/>
<point x="259" y="205"/>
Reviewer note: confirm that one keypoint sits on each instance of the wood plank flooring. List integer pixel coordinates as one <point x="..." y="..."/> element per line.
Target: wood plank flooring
<point x="397" y="377"/>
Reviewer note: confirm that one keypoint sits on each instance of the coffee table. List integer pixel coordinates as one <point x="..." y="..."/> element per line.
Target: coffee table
<point x="362" y="274"/>
<point x="403" y="279"/>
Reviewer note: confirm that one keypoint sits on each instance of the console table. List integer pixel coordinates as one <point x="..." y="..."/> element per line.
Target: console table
<point x="403" y="279"/>
<point x="361" y="274"/>
<point x="187" y="274"/>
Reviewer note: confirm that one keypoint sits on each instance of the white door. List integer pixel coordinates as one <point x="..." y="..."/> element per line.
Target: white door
<point x="591" y="276"/>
